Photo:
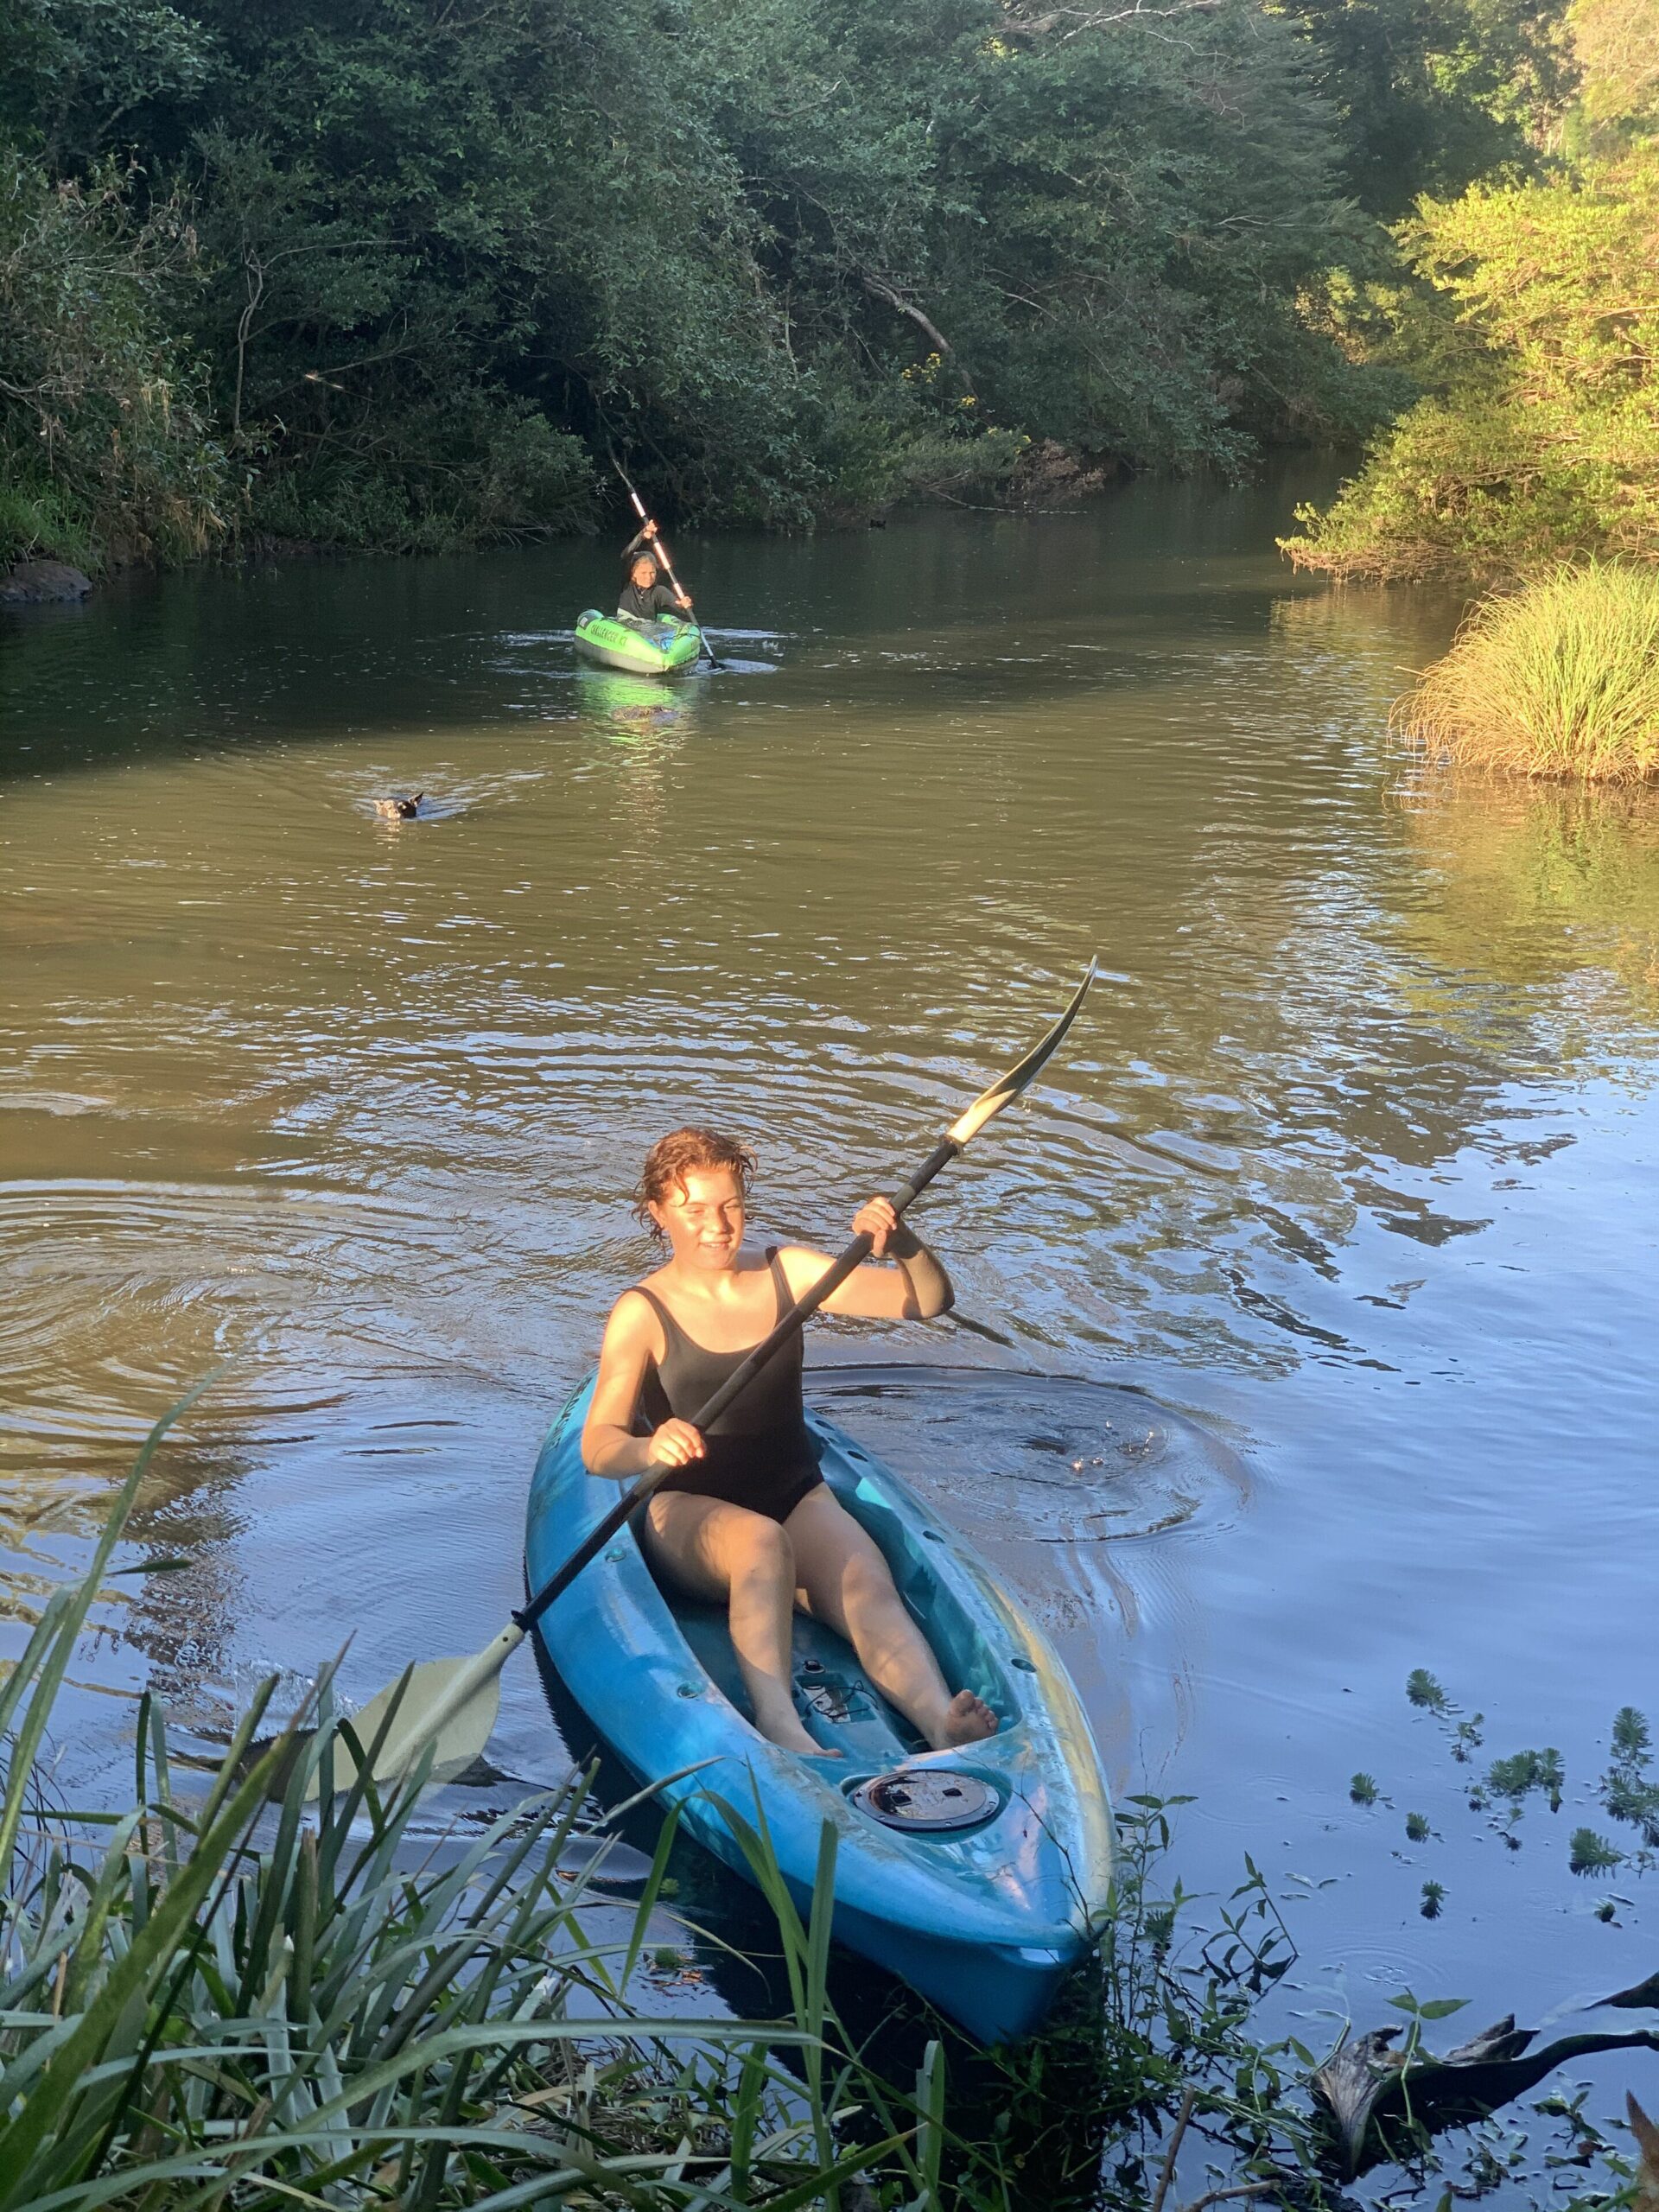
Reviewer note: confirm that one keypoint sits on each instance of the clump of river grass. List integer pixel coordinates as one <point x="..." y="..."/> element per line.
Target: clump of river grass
<point x="1557" y="680"/>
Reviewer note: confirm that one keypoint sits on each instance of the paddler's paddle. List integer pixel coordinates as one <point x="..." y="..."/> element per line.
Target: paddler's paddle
<point x="452" y="1703"/>
<point x="659" y="552"/>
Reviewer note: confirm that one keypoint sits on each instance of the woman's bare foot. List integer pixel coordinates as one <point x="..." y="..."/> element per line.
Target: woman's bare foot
<point x="782" y="1726"/>
<point x="967" y="1719"/>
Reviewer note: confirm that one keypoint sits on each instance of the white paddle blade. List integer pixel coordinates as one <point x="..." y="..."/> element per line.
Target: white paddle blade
<point x="451" y="1704"/>
<point x="1022" y="1074"/>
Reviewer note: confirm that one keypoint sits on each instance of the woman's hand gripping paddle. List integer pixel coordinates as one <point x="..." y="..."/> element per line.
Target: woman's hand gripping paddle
<point x="451" y="1704"/>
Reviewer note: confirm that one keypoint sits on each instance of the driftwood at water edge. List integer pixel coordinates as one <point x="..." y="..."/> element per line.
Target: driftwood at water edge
<point x="1369" y="2088"/>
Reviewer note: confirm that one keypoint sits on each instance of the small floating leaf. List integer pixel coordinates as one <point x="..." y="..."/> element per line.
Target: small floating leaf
<point x="1590" y="1853"/>
<point x="1426" y="1693"/>
<point x="1362" y="1790"/>
<point x="1433" y="1898"/>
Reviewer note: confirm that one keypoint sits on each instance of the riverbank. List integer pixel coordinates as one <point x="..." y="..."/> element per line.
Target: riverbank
<point x="1015" y="476"/>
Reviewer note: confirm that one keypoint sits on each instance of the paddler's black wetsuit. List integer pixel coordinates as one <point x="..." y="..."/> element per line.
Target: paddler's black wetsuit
<point x="759" y="1453"/>
<point x="637" y="606"/>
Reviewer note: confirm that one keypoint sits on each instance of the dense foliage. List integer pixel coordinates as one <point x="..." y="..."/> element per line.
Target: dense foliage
<point x="1432" y="94"/>
<point x="1543" y="437"/>
<point x="398" y="271"/>
<point x="401" y="272"/>
<point x="106" y="438"/>
<point x="1535" y="324"/>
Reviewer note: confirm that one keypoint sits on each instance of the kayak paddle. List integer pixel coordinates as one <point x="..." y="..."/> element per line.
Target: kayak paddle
<point x="451" y="1704"/>
<point x="659" y="552"/>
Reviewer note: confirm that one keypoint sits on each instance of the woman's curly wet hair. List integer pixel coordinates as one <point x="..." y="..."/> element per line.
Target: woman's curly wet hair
<point x="682" y="1152"/>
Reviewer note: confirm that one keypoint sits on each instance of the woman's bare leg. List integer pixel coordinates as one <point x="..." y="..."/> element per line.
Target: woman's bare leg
<point x="845" y="1582"/>
<point x="715" y="1550"/>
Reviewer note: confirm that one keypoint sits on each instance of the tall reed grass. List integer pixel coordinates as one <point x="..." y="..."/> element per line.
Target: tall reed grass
<point x="1560" y="678"/>
<point x="229" y="2001"/>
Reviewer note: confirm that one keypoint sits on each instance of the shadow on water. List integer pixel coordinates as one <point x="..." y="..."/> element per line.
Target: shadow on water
<point x="223" y="658"/>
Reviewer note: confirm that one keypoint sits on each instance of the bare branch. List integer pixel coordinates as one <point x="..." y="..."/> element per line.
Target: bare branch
<point x="879" y="289"/>
<point x="1070" y="23"/>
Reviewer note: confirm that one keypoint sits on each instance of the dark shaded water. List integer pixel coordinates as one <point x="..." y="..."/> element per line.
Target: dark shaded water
<point x="1352" y="1167"/>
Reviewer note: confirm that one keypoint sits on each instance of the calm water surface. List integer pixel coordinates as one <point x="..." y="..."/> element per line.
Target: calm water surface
<point x="1350" y="1168"/>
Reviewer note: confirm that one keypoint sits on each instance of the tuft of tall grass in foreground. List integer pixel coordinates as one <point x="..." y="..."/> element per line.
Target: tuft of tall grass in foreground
<point x="232" y="2000"/>
<point x="1560" y="678"/>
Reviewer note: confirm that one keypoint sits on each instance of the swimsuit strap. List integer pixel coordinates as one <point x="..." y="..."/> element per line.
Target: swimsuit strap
<point x="672" y="1329"/>
<point x="780" y="1282"/>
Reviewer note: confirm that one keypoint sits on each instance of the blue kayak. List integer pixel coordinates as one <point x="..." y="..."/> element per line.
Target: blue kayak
<point x="978" y="1875"/>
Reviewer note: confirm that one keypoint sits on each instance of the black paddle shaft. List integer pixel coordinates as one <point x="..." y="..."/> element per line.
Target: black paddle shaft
<point x="735" y="1383"/>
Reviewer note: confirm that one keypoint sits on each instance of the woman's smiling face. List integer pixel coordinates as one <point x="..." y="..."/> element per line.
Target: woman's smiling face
<point x="703" y="1219"/>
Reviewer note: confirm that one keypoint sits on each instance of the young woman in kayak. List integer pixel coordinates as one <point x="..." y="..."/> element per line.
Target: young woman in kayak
<point x="747" y="1517"/>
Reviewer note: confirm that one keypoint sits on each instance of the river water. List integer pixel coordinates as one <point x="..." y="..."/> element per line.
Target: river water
<point x="1324" y="1256"/>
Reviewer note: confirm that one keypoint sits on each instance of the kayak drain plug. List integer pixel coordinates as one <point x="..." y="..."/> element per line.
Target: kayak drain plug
<point x="926" y="1799"/>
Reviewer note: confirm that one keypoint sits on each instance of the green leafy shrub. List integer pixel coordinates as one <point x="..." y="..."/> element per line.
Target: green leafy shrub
<point x="107" y="449"/>
<point x="1543" y="439"/>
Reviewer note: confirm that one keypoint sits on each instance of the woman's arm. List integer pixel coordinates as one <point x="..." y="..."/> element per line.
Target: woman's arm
<point x="916" y="1289"/>
<point x="608" y="1444"/>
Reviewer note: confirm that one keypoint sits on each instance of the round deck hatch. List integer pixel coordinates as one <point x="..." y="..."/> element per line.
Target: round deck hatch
<point x="926" y="1799"/>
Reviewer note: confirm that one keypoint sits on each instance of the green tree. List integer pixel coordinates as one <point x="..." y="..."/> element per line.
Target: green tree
<point x="1433" y="94"/>
<point x="106" y="446"/>
<point x="1544" y="440"/>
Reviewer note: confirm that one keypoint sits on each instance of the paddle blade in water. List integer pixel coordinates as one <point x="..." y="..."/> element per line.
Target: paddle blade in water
<point x="448" y="1703"/>
<point x="1022" y="1074"/>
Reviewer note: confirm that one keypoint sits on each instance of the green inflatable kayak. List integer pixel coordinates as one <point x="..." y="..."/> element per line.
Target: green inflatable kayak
<point x="980" y="1875"/>
<point x="663" y="647"/>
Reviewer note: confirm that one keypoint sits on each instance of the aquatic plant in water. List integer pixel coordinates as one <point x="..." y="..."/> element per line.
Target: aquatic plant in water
<point x="228" y="1998"/>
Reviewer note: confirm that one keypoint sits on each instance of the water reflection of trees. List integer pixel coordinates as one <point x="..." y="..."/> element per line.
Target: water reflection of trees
<point x="1537" y="883"/>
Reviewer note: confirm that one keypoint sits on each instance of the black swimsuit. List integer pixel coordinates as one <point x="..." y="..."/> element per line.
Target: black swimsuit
<point x="759" y="1451"/>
